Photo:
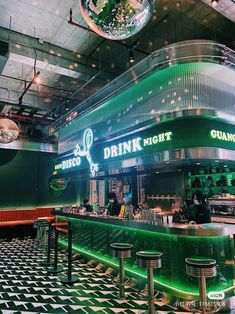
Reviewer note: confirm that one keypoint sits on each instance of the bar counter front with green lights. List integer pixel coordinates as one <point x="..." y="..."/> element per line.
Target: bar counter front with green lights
<point x="93" y="235"/>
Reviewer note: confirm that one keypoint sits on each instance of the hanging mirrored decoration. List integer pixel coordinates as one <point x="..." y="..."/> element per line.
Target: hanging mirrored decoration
<point x="116" y="19"/>
<point x="9" y="131"/>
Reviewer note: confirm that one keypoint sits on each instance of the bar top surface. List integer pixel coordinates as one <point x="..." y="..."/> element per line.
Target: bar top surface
<point x="210" y="229"/>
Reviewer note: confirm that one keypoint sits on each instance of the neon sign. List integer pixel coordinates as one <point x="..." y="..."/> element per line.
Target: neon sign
<point x="87" y="143"/>
<point x="70" y="163"/>
<point x="81" y="152"/>
<point x="223" y="136"/>
<point x="135" y="145"/>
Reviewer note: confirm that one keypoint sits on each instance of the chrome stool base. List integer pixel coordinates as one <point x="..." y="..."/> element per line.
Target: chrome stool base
<point x="150" y="260"/>
<point x="52" y="270"/>
<point x="201" y="268"/>
<point x="121" y="251"/>
<point x="70" y="281"/>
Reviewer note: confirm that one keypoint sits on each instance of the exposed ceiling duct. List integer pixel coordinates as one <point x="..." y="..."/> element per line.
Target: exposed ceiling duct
<point x="4" y="51"/>
<point x="74" y="63"/>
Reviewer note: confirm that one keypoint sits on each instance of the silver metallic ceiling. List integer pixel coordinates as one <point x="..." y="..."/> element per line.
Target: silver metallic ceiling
<point x="74" y="63"/>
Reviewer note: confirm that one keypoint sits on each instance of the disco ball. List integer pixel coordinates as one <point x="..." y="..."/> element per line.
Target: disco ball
<point x="116" y="19"/>
<point x="8" y="131"/>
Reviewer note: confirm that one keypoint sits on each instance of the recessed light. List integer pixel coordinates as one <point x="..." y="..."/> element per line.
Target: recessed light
<point x="214" y="3"/>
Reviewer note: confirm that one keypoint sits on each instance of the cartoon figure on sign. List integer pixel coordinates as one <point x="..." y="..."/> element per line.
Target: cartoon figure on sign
<point x="87" y="143"/>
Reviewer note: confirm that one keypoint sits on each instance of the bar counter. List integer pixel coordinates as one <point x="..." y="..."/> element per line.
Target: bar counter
<point x="93" y="234"/>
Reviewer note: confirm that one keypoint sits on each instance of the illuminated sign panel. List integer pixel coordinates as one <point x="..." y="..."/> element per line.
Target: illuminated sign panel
<point x="79" y="153"/>
<point x="169" y="135"/>
<point x="135" y="145"/>
<point x="123" y="148"/>
<point x="70" y="163"/>
<point x="223" y="136"/>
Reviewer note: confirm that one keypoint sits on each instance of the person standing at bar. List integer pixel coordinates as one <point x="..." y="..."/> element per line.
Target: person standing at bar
<point x="86" y="205"/>
<point x="113" y="205"/>
<point x="199" y="211"/>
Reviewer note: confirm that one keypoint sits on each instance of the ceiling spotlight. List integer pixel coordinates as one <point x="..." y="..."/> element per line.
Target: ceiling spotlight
<point x="214" y="3"/>
<point x="36" y="74"/>
<point x="36" y="80"/>
<point x="131" y="56"/>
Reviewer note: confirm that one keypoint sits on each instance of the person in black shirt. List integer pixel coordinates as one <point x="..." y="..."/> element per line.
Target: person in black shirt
<point x="86" y="205"/>
<point x="113" y="206"/>
<point x="199" y="210"/>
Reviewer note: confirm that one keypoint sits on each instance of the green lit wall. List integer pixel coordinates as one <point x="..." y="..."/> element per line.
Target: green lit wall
<point x="24" y="181"/>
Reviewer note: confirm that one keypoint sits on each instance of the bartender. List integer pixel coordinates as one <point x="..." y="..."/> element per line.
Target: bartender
<point x="86" y="206"/>
<point x="113" y="205"/>
<point x="199" y="211"/>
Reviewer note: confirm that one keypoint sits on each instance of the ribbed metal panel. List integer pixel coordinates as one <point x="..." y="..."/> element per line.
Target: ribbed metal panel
<point x="189" y="75"/>
<point x="198" y="272"/>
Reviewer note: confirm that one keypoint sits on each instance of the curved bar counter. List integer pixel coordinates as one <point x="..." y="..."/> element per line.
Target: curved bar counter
<point x="93" y="234"/>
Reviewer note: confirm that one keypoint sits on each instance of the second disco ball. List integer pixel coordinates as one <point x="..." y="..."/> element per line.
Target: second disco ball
<point x="9" y="131"/>
<point x="116" y="19"/>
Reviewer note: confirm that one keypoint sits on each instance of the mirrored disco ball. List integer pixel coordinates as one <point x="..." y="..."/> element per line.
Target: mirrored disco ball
<point x="118" y="19"/>
<point x="8" y="131"/>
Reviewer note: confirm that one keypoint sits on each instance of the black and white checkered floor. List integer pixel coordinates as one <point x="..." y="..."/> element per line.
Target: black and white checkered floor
<point x="26" y="287"/>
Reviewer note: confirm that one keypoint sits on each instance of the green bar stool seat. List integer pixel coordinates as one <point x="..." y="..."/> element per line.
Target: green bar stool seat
<point x="201" y="268"/>
<point x="150" y="260"/>
<point x="121" y="251"/>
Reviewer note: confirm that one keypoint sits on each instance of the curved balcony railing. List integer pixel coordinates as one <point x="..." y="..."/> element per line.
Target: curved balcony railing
<point x="196" y="74"/>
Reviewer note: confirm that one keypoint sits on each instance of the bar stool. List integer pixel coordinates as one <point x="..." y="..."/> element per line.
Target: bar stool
<point x="201" y="268"/>
<point x="121" y="251"/>
<point x="150" y="260"/>
<point x="42" y="226"/>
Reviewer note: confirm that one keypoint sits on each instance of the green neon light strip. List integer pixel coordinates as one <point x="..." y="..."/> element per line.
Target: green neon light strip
<point x="129" y="269"/>
<point x="139" y="273"/>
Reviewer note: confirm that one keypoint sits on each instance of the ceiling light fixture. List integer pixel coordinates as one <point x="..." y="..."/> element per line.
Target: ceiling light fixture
<point x="214" y="3"/>
<point x="34" y="80"/>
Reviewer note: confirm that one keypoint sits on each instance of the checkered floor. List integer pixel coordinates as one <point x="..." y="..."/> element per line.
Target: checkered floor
<point x="26" y="287"/>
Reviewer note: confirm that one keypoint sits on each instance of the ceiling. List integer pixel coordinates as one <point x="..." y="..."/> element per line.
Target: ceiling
<point x="74" y="62"/>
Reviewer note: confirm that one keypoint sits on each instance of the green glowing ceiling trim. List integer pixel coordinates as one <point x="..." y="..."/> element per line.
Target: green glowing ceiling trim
<point x="139" y="272"/>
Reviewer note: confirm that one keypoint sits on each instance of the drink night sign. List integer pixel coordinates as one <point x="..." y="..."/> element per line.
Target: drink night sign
<point x="135" y="145"/>
<point x="168" y="136"/>
<point x="122" y="148"/>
